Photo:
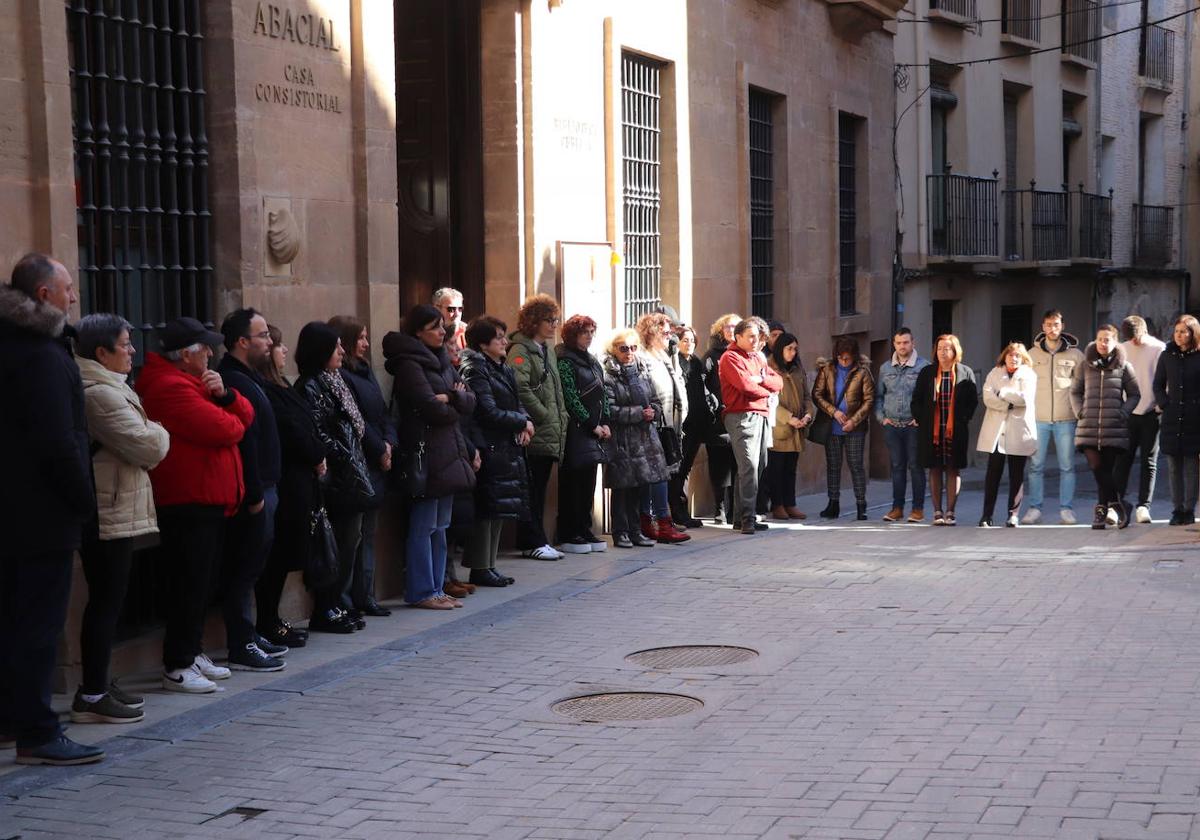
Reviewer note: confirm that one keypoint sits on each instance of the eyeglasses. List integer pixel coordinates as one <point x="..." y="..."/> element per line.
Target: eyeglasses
<point x="627" y="348"/>
<point x="264" y="334"/>
<point x="554" y="322"/>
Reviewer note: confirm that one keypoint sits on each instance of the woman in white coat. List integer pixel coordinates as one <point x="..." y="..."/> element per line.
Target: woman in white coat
<point x="126" y="445"/>
<point x="1009" y="432"/>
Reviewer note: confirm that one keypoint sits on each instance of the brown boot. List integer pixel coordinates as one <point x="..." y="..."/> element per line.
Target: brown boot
<point x="894" y="515"/>
<point x="779" y="512"/>
<point x="455" y="589"/>
<point x="667" y="532"/>
<point x="794" y="512"/>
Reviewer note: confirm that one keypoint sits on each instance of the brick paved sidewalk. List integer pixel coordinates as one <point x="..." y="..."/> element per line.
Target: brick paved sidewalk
<point x="912" y="682"/>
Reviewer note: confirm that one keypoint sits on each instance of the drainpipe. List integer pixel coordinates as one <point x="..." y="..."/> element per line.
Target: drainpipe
<point x="1184" y="163"/>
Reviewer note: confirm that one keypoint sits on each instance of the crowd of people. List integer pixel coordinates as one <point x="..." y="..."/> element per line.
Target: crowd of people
<point x="242" y="476"/>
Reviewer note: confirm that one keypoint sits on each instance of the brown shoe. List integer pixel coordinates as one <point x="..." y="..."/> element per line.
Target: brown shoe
<point x="455" y="589"/>
<point x="917" y="516"/>
<point x="894" y="515"/>
<point x="432" y="604"/>
<point x="795" y="513"/>
<point x="779" y="512"/>
<point x="470" y="587"/>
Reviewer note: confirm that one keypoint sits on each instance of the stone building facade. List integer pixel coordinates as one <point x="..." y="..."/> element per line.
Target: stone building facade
<point x="321" y="157"/>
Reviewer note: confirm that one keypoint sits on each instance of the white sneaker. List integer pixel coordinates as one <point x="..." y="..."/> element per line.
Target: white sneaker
<point x="1142" y="515"/>
<point x="599" y="545"/>
<point x="578" y="545"/>
<point x="1112" y="517"/>
<point x="1012" y="521"/>
<point x="1068" y="516"/>
<point x="544" y="552"/>
<point x="210" y="669"/>
<point x="1032" y="517"/>
<point x="188" y="680"/>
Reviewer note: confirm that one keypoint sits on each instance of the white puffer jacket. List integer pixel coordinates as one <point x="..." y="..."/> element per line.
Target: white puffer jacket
<point x="1010" y="425"/>
<point x="126" y="445"/>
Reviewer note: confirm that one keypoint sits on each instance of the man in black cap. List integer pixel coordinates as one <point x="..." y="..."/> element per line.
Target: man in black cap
<point x="45" y="498"/>
<point x="196" y="487"/>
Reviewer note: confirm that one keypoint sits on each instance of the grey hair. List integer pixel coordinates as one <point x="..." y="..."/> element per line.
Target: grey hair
<point x="445" y="292"/>
<point x="177" y="355"/>
<point x="99" y="330"/>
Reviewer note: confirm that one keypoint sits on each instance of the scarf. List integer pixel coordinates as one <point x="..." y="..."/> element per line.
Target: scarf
<point x="937" y="397"/>
<point x="333" y="379"/>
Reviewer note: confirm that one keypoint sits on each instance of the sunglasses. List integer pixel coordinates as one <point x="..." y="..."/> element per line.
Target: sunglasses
<point x="627" y="348"/>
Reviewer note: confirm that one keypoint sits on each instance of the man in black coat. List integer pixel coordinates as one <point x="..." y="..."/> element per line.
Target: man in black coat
<point x="45" y="499"/>
<point x="252" y="530"/>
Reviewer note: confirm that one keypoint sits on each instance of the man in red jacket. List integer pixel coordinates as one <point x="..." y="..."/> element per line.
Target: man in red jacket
<point x="196" y="487"/>
<point x="747" y="383"/>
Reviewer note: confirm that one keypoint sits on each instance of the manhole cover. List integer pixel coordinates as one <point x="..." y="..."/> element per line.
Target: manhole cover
<point x="692" y="656"/>
<point x="626" y="705"/>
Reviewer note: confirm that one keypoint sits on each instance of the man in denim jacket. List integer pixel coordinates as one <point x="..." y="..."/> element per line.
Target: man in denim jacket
<point x="893" y="410"/>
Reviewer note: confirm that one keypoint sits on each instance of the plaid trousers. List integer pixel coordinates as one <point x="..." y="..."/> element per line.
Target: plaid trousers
<point x="853" y="446"/>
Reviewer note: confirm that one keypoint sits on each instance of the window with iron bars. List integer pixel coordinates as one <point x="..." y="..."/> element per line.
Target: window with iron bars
<point x="762" y="204"/>
<point x="641" y="198"/>
<point x="848" y="128"/>
<point x="141" y="160"/>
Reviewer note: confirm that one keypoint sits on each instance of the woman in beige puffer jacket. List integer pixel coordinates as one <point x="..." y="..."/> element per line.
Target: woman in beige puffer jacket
<point x="126" y="445"/>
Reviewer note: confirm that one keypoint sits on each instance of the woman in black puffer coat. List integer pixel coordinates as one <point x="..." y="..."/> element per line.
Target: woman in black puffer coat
<point x="1104" y="393"/>
<point x="347" y="485"/>
<point x="434" y="399"/>
<point x="1177" y="395"/>
<point x="500" y="430"/>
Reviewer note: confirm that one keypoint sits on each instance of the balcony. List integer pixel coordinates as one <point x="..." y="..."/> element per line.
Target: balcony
<point x="1020" y="22"/>
<point x="1056" y="225"/>
<point x="962" y="217"/>
<point x="1153" y="235"/>
<point x="854" y="19"/>
<point x="957" y="12"/>
<point x="1156" y="65"/>
<point x="1080" y="23"/>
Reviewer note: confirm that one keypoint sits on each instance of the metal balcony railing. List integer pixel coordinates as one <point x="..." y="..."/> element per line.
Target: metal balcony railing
<point x="1153" y="237"/>
<point x="962" y="215"/>
<point x="1021" y="19"/>
<point x="1041" y="225"/>
<point x="1081" y="24"/>
<point x="1157" y="61"/>
<point x="962" y="8"/>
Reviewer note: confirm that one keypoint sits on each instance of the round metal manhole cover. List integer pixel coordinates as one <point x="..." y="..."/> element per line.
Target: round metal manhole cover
<point x="692" y="656"/>
<point x="626" y="705"/>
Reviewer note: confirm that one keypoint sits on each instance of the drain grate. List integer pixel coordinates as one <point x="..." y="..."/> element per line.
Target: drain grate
<point x="626" y="705"/>
<point x="691" y="656"/>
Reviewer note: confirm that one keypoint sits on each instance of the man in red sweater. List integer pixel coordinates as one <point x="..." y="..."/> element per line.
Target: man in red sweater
<point x="196" y="487"/>
<point x="747" y="383"/>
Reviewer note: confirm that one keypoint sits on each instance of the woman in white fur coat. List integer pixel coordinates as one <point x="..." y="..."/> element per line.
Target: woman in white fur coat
<point x="1009" y="431"/>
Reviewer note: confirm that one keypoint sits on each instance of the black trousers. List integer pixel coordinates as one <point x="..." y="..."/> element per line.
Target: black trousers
<point x="576" y="492"/>
<point x="991" y="481"/>
<point x="269" y="588"/>
<point x="106" y="565"/>
<point x="675" y="485"/>
<point x="781" y="477"/>
<point x="248" y="539"/>
<point x="192" y="538"/>
<point x="33" y="607"/>
<point x="1102" y="463"/>
<point x="1143" y="446"/>
<point x="720" y="474"/>
<point x="531" y="533"/>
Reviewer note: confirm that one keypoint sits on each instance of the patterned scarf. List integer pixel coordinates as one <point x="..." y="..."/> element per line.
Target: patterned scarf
<point x="943" y="399"/>
<point x="334" y="380"/>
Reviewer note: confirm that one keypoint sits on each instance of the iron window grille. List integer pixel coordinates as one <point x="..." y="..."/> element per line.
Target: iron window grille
<point x="762" y="205"/>
<point x="141" y="160"/>
<point x="641" y="159"/>
<point x="847" y="214"/>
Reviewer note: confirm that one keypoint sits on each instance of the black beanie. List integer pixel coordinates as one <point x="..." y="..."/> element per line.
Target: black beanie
<point x="315" y="345"/>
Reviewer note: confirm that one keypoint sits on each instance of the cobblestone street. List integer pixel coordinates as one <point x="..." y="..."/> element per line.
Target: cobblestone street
<point x="911" y="682"/>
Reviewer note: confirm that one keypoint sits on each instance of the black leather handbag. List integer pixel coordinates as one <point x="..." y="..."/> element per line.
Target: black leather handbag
<point x="410" y="475"/>
<point x="321" y="555"/>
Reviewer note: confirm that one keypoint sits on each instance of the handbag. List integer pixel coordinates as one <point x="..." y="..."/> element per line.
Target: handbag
<point x="320" y="551"/>
<point x="411" y="474"/>
<point x="672" y="450"/>
<point x="821" y="427"/>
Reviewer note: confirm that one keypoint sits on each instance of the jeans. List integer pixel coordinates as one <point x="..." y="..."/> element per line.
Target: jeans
<point x="576" y="493"/>
<point x="902" y="447"/>
<point x="33" y="608"/>
<point x="483" y="544"/>
<point x="106" y="566"/>
<point x="1063" y="433"/>
<point x="781" y="477"/>
<point x="1184" y="472"/>
<point x="1143" y="445"/>
<point x="991" y="481"/>
<point x="624" y="508"/>
<point x="247" y="545"/>
<point x="748" y="440"/>
<point x="531" y="533"/>
<point x="347" y="533"/>
<point x="362" y="584"/>
<point x="652" y="501"/>
<point x="425" y="548"/>
<point x="192" y="536"/>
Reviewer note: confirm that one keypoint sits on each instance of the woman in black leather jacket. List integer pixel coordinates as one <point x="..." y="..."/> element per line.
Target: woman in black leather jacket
<point x="500" y="430"/>
<point x="348" y="488"/>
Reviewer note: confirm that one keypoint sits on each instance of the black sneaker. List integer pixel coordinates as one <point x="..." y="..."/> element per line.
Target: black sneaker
<point x="251" y="658"/>
<point x="133" y="701"/>
<point x="270" y="648"/>
<point x="107" y="709"/>
<point x="284" y="634"/>
<point x="61" y="752"/>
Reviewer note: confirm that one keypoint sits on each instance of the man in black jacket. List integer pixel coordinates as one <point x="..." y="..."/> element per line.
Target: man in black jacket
<point x="45" y="499"/>
<point x="252" y="530"/>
